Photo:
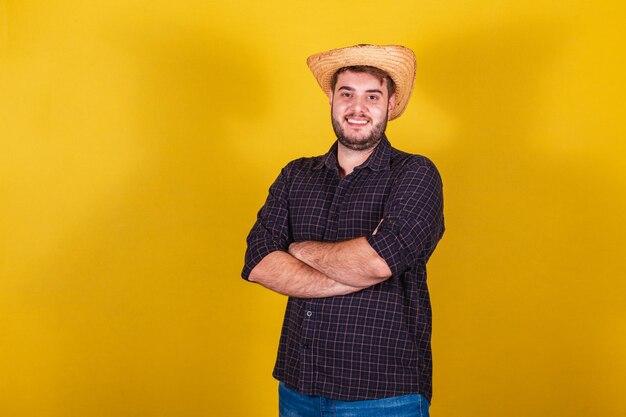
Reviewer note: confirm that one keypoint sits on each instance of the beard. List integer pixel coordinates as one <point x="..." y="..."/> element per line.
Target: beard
<point x="362" y="144"/>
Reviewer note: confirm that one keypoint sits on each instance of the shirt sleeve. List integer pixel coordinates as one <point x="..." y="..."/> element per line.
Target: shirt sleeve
<point x="271" y="230"/>
<point x="412" y="222"/>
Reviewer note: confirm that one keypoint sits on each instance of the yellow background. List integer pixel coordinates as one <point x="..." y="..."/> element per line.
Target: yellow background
<point x="139" y="137"/>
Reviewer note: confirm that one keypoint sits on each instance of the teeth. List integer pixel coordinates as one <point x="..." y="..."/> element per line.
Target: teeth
<point x="358" y="122"/>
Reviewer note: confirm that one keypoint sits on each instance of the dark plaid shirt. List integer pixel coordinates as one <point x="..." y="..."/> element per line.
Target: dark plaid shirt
<point x="374" y="343"/>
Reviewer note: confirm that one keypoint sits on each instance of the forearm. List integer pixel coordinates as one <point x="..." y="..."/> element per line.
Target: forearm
<point x="284" y="274"/>
<point x="352" y="262"/>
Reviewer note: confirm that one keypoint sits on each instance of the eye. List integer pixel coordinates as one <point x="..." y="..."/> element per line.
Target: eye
<point x="373" y="97"/>
<point x="346" y="94"/>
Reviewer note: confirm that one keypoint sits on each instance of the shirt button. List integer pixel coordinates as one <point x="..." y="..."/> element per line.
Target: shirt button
<point x="309" y="313"/>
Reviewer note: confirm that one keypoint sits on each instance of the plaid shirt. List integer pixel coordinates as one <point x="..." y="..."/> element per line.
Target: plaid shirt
<point x="374" y="343"/>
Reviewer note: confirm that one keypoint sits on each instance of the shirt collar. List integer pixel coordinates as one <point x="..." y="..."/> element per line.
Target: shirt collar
<point x="379" y="159"/>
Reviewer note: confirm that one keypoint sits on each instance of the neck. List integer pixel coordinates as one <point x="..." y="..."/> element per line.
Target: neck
<point x="348" y="159"/>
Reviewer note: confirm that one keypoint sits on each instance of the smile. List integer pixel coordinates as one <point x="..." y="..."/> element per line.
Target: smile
<point x="358" y="122"/>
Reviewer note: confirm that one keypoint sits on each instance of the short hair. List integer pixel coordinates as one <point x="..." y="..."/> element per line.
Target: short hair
<point x="379" y="74"/>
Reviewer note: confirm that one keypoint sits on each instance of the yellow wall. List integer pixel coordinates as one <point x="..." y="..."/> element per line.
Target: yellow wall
<point x="138" y="139"/>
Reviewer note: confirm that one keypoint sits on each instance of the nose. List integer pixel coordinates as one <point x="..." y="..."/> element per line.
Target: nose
<point x="359" y="104"/>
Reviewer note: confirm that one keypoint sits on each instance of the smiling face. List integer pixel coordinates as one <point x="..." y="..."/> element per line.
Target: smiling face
<point x="360" y="105"/>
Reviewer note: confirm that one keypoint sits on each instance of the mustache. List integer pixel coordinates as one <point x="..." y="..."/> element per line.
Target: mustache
<point x="362" y="115"/>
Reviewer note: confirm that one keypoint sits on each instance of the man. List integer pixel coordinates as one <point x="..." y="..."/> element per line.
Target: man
<point x="347" y="236"/>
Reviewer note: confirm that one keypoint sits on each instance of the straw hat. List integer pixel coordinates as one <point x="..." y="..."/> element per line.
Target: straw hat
<point x="397" y="61"/>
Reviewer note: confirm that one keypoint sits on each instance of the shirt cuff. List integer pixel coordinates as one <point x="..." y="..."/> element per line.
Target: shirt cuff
<point x="388" y="247"/>
<point x="255" y="254"/>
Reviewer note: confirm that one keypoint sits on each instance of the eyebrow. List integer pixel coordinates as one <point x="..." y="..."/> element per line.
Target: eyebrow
<point x="345" y="87"/>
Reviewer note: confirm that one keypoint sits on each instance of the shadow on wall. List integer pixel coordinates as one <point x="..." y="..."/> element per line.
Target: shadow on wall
<point x="526" y="231"/>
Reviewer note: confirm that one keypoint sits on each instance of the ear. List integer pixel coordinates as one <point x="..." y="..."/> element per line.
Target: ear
<point x="330" y="97"/>
<point x="392" y="103"/>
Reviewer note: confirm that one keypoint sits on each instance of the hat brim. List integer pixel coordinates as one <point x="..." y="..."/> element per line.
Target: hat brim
<point x="397" y="61"/>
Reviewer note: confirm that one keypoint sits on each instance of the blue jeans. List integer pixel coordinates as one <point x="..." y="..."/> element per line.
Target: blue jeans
<point x="294" y="404"/>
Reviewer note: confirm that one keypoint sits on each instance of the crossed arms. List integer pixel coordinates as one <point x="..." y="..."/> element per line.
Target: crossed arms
<point x="411" y="225"/>
<point x="320" y="269"/>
